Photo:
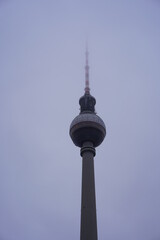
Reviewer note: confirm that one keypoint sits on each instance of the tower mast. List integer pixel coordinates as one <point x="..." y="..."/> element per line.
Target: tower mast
<point x="87" y="89"/>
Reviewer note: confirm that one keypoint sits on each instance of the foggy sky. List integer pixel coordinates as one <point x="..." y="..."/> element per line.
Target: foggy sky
<point x="42" y="46"/>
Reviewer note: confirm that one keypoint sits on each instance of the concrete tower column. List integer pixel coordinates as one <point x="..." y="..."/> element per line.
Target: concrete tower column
<point x="88" y="201"/>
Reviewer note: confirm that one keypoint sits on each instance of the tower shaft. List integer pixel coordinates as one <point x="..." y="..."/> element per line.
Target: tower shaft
<point x="88" y="203"/>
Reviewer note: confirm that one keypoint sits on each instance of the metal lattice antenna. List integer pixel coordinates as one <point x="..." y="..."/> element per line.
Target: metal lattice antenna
<point x="87" y="89"/>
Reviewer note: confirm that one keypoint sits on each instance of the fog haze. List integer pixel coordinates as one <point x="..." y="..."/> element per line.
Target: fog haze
<point x="42" y="57"/>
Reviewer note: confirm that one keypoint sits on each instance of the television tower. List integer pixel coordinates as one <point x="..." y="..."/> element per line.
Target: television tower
<point x="87" y="131"/>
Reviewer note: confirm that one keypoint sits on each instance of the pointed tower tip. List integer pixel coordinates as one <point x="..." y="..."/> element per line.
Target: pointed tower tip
<point x="87" y="89"/>
<point x="86" y="46"/>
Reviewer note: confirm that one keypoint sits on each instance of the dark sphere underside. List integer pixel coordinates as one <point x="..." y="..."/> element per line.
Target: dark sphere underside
<point x="87" y="127"/>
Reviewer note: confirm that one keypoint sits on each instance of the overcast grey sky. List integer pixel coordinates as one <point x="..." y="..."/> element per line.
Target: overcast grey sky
<point x="42" y="45"/>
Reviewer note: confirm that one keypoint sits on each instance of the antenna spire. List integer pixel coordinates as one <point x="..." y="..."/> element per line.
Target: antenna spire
<point x="87" y="89"/>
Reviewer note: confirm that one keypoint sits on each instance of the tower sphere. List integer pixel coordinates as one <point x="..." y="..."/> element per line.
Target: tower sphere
<point x="87" y="126"/>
